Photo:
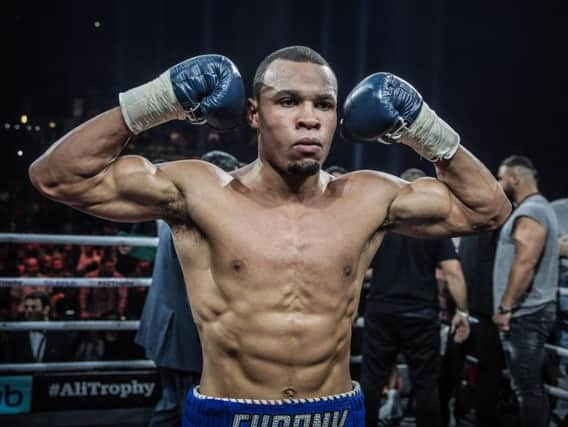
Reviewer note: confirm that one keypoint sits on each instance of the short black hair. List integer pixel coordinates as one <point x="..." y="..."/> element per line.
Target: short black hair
<point x="40" y="295"/>
<point x="290" y="53"/>
<point x="336" y="169"/>
<point x="517" y="160"/>
<point x="222" y="159"/>
<point x="412" y="174"/>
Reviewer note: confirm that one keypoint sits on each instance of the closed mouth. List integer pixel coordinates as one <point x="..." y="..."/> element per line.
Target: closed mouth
<point x="308" y="141"/>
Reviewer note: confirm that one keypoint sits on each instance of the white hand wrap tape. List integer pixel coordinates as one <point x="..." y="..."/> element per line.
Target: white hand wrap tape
<point x="150" y="104"/>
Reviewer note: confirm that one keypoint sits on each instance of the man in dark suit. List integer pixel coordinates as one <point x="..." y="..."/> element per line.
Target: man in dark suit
<point x="167" y="331"/>
<point x="38" y="346"/>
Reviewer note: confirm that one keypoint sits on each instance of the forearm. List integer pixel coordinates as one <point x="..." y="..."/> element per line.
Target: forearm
<point x="81" y="154"/>
<point x="457" y="289"/>
<point x="519" y="281"/>
<point x="474" y="187"/>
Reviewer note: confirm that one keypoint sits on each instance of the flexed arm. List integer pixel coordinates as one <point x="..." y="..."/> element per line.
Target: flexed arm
<point x="465" y="197"/>
<point x="84" y="169"/>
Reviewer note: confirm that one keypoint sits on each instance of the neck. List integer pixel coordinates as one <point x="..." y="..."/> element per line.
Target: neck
<point x="283" y="186"/>
<point x="525" y="190"/>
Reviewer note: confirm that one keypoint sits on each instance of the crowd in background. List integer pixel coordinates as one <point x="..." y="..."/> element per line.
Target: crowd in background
<point x="34" y="260"/>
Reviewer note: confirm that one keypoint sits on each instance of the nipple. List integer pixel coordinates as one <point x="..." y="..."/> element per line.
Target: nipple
<point x="236" y="264"/>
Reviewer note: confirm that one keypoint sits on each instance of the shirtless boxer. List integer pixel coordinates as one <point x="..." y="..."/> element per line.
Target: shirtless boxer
<point x="274" y="253"/>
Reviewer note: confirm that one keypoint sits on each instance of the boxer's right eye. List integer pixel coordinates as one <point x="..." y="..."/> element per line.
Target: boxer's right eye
<point x="287" y="102"/>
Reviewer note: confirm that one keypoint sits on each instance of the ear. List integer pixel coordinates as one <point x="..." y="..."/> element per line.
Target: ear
<point x="252" y="113"/>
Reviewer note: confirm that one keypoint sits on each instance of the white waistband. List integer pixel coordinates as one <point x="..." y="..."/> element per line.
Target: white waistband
<point x="356" y="390"/>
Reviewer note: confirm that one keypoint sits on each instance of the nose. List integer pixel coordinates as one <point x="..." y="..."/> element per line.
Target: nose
<point x="307" y="117"/>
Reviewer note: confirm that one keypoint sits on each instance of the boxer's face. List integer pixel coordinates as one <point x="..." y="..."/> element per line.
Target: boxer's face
<point x="296" y="116"/>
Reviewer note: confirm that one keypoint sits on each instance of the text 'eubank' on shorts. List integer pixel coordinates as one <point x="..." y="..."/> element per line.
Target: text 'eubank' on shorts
<point x="340" y="410"/>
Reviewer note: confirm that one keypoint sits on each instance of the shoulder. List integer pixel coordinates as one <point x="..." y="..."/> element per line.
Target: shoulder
<point x="196" y="169"/>
<point x="367" y="182"/>
<point x="536" y="206"/>
<point x="559" y="203"/>
<point x="538" y="209"/>
<point x="195" y="179"/>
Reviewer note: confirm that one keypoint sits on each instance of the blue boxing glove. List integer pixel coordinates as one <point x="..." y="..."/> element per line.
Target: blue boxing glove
<point x="203" y="89"/>
<point x="385" y="108"/>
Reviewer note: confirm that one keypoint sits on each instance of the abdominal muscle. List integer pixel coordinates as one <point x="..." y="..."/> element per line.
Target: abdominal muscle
<point x="275" y="354"/>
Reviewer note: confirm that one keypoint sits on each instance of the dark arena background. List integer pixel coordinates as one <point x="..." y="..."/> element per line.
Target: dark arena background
<point x="495" y="70"/>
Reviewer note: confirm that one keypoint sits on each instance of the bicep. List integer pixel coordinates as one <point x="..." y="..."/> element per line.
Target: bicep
<point x="131" y="189"/>
<point x="529" y="236"/>
<point x="427" y="208"/>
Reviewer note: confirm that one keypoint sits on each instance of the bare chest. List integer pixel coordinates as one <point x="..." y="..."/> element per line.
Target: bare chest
<point x="303" y="240"/>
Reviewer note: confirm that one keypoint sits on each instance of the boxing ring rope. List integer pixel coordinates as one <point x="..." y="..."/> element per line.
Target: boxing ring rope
<point x="78" y="239"/>
<point x="77" y="366"/>
<point x="74" y="282"/>
<point x="126" y="325"/>
<point x="560" y="351"/>
<point x="79" y="325"/>
<point x="360" y="321"/>
<point x="556" y="391"/>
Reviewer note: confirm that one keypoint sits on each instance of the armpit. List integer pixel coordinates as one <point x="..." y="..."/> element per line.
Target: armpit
<point x="388" y="224"/>
<point x="176" y="212"/>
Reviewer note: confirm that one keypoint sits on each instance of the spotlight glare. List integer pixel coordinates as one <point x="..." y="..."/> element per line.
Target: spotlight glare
<point x="97" y="24"/>
<point x="37" y="128"/>
<point x="17" y="127"/>
<point x="20" y="153"/>
<point x="23" y="119"/>
<point x="51" y="125"/>
<point x="6" y="125"/>
<point x="29" y="127"/>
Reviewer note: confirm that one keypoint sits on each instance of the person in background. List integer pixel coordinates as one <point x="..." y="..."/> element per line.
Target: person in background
<point x="96" y="301"/>
<point x="525" y="286"/>
<point x="477" y="257"/>
<point x="402" y="316"/>
<point x="39" y="346"/>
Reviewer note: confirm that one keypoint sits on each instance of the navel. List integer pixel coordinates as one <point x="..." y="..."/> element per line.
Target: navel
<point x="289" y="392"/>
<point x="347" y="270"/>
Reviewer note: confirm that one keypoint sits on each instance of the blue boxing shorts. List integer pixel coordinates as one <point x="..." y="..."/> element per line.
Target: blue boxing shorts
<point x="339" y="410"/>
